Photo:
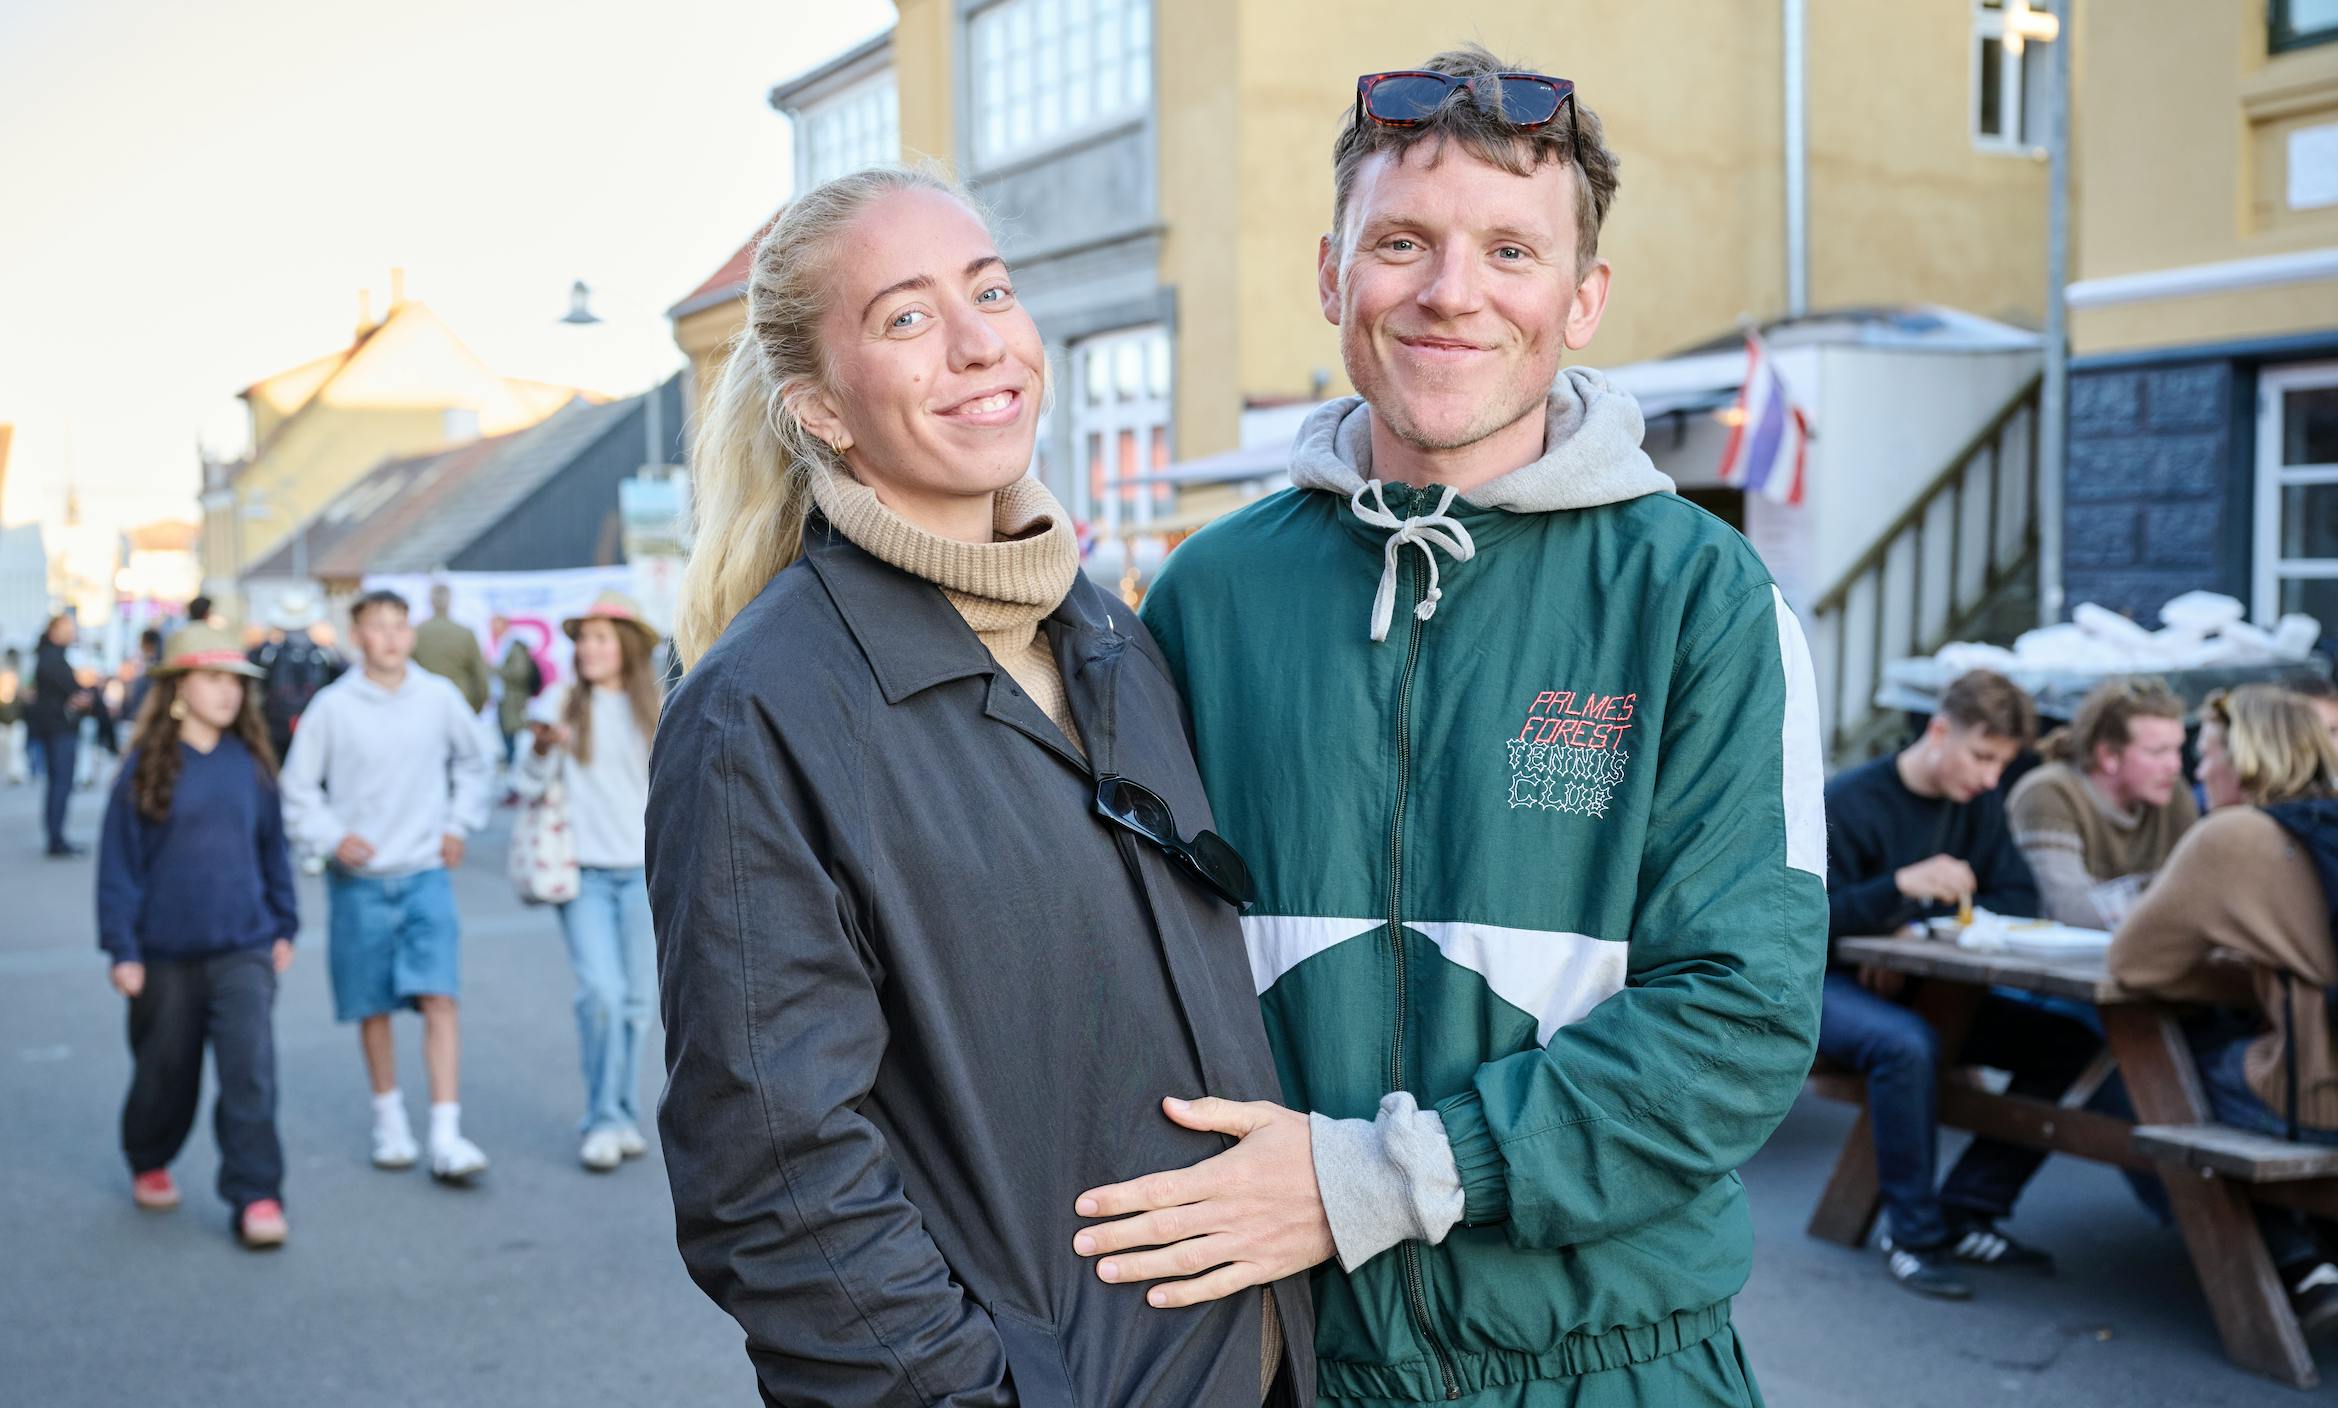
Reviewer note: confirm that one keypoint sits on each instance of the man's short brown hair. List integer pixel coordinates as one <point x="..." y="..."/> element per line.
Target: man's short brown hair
<point x="1487" y="137"/>
<point x="1990" y="702"/>
<point x="381" y="598"/>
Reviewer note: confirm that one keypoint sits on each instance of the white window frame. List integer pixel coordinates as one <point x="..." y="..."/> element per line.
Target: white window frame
<point x="2013" y="79"/>
<point x="2273" y="476"/>
<point x="879" y="91"/>
<point x="997" y="57"/>
<point x="1152" y="407"/>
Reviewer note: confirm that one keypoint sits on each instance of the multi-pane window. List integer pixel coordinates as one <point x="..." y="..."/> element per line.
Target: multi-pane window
<point x="2009" y="78"/>
<point x="1047" y="69"/>
<point x="2294" y="24"/>
<point x="1120" y="427"/>
<point x="858" y="127"/>
<point x="2297" y="493"/>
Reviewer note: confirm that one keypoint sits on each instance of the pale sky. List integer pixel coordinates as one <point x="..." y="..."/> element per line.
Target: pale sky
<point x="192" y="196"/>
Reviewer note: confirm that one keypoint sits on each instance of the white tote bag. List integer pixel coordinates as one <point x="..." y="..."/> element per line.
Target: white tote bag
<point x="543" y="848"/>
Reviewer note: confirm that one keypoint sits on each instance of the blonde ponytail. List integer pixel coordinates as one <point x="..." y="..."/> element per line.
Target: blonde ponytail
<point x="752" y="460"/>
<point x="748" y="497"/>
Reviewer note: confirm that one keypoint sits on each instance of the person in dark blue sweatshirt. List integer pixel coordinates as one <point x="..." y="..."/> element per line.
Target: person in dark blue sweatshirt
<point x="195" y="909"/>
<point x="1911" y="836"/>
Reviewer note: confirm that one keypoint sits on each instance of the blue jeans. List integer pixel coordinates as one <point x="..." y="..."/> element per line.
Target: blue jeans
<point x="59" y="752"/>
<point x="615" y="959"/>
<point x="1899" y="1054"/>
<point x="2221" y="1058"/>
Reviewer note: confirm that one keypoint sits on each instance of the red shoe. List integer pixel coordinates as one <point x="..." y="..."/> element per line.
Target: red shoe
<point x="155" y="1191"/>
<point x="262" y="1224"/>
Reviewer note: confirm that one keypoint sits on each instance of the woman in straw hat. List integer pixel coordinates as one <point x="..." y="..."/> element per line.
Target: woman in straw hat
<point x="195" y="908"/>
<point x="593" y="736"/>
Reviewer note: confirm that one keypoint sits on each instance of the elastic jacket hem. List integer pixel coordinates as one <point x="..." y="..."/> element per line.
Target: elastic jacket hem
<point x="1418" y="1380"/>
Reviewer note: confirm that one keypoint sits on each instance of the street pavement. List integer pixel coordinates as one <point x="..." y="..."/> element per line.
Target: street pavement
<point x="547" y="1285"/>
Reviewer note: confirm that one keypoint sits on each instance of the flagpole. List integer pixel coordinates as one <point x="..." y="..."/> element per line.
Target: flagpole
<point x="2054" y="392"/>
<point x="1797" y="167"/>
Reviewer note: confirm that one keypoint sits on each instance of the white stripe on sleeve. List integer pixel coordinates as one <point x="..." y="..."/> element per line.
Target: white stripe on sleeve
<point x="1806" y="808"/>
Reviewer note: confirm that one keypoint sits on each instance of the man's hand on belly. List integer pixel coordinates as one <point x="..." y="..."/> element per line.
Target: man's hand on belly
<point x="1253" y="1212"/>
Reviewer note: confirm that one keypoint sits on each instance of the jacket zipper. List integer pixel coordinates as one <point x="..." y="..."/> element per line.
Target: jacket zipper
<point x="1408" y="1253"/>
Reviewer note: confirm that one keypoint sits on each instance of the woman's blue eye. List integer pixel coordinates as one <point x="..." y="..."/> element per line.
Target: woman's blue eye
<point x="1511" y="252"/>
<point x="1401" y="244"/>
<point x="901" y="319"/>
<point x="988" y="292"/>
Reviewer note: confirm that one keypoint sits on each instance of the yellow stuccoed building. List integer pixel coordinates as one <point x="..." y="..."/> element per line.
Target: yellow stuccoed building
<point x="404" y="385"/>
<point x="1161" y="169"/>
<point x="2203" y="450"/>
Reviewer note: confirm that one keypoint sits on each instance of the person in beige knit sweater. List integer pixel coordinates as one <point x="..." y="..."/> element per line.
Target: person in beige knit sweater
<point x="2108" y="806"/>
<point x="2241" y="917"/>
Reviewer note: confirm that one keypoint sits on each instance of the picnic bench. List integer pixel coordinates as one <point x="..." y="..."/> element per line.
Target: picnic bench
<point x="2214" y="1175"/>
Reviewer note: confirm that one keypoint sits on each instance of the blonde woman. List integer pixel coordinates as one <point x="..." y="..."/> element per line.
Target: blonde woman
<point x="594" y="736"/>
<point x="942" y="928"/>
<point x="2256" y="881"/>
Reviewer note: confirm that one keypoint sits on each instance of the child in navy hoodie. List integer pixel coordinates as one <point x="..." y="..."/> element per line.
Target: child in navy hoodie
<point x="195" y="907"/>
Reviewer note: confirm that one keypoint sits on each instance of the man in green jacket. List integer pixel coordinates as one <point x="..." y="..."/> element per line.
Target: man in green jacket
<point x="449" y="649"/>
<point x="1523" y="751"/>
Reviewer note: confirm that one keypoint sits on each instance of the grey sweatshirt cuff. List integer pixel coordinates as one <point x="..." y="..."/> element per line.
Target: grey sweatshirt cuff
<point x="1386" y="1180"/>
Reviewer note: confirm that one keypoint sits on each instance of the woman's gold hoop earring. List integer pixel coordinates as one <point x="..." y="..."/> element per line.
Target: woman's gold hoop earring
<point x="178" y="710"/>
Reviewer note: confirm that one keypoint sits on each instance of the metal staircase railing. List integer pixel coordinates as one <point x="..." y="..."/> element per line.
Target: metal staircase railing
<point x="1933" y="570"/>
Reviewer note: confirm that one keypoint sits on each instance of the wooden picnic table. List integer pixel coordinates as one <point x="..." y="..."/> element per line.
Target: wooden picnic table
<point x="2215" y="1214"/>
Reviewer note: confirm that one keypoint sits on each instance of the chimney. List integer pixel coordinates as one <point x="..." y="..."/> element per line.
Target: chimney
<point x="364" y="311"/>
<point x="397" y="288"/>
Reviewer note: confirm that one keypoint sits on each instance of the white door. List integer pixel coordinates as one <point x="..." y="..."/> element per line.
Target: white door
<point x="2297" y="493"/>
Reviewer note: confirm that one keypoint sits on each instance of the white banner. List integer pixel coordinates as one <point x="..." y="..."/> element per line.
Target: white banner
<point x="533" y="604"/>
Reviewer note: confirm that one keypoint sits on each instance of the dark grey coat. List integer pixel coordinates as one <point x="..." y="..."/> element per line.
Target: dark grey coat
<point x="918" y="998"/>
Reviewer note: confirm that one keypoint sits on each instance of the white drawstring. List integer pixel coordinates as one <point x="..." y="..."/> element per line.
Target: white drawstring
<point x="1432" y="529"/>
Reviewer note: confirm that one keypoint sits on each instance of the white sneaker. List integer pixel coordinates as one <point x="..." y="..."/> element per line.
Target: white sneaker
<point x="456" y="1160"/>
<point x="394" y="1146"/>
<point x="602" y="1150"/>
<point x="630" y="1143"/>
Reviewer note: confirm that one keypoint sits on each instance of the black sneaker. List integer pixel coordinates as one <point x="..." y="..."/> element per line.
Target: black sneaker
<point x="1921" y="1272"/>
<point x="2313" y="1294"/>
<point x="1981" y="1244"/>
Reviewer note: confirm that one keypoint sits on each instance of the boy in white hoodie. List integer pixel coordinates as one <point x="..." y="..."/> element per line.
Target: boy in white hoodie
<point x="387" y="775"/>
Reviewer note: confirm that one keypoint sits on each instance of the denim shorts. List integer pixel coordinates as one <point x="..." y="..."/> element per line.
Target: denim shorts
<point x="392" y="939"/>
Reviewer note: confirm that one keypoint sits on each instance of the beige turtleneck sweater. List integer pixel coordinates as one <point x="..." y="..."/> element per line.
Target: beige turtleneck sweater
<point x="1003" y="588"/>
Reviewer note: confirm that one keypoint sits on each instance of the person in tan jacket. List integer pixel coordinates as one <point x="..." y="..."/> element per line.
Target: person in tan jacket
<point x="2241" y="916"/>
<point x="449" y="649"/>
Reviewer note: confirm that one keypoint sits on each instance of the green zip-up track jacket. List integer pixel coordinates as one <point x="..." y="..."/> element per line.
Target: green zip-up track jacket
<point x="1550" y="857"/>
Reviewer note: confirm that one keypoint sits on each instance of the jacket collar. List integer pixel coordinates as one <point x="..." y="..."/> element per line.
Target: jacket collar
<point x="914" y="640"/>
<point x="912" y="637"/>
<point x="904" y="626"/>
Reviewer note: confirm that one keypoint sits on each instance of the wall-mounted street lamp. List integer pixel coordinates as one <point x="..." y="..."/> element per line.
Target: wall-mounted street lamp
<point x="579" y="304"/>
